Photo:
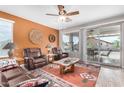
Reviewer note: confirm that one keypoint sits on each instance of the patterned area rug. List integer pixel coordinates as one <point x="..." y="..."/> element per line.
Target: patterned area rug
<point x="53" y="80"/>
<point x="82" y="76"/>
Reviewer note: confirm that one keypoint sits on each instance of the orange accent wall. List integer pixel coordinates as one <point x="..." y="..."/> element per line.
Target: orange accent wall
<point x="22" y="27"/>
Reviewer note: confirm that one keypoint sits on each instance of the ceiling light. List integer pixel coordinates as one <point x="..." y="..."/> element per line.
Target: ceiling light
<point x="62" y="18"/>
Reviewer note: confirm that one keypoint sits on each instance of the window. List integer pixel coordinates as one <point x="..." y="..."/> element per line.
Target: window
<point x="6" y="36"/>
<point x="71" y="41"/>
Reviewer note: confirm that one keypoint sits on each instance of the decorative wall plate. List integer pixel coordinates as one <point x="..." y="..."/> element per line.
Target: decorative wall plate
<point x="52" y="38"/>
<point x="35" y="36"/>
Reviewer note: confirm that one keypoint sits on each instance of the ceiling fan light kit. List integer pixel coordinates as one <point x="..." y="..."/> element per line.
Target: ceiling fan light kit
<point x="63" y="15"/>
<point x="62" y="18"/>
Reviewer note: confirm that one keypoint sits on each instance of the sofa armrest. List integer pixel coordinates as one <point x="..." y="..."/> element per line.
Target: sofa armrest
<point x="29" y="58"/>
<point x="65" y="53"/>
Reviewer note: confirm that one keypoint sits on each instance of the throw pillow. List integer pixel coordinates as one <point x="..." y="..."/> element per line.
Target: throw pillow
<point x="37" y="82"/>
<point x="6" y="64"/>
<point x="28" y="83"/>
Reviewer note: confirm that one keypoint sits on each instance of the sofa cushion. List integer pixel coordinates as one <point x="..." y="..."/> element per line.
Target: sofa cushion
<point x="40" y="64"/>
<point x="40" y="60"/>
<point x="12" y="73"/>
<point x="17" y="80"/>
<point x="35" y="52"/>
<point x="3" y="80"/>
<point x="8" y="67"/>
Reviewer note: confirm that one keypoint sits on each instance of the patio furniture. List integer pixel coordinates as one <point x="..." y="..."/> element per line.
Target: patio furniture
<point x="92" y="52"/>
<point x="107" y="54"/>
<point x="67" y="64"/>
<point x="33" y="58"/>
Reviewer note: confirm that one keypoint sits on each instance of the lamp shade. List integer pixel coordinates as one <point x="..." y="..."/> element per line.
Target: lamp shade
<point x="9" y="45"/>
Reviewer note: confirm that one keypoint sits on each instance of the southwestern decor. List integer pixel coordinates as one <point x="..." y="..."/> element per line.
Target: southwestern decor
<point x="35" y="37"/>
<point x="52" y="38"/>
<point x="83" y="76"/>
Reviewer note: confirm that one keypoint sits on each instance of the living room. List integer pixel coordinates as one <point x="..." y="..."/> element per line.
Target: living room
<point x="62" y="51"/>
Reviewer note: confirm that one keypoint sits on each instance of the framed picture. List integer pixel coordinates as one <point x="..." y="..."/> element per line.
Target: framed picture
<point x="52" y="38"/>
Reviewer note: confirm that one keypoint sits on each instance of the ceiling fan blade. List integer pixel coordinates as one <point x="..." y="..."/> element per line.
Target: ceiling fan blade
<point x="60" y="7"/>
<point x="52" y="14"/>
<point x="72" y="13"/>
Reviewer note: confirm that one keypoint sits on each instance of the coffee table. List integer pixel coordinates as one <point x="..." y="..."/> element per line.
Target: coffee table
<point x="67" y="64"/>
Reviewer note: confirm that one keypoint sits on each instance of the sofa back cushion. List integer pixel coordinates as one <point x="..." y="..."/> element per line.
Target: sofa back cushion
<point x="32" y="52"/>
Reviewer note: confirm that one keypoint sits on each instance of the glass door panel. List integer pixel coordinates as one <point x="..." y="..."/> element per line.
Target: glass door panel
<point x="110" y="45"/>
<point x="70" y="43"/>
<point x="92" y="46"/>
<point x="103" y="45"/>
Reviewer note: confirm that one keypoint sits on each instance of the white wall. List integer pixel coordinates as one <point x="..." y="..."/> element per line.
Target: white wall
<point x="122" y="45"/>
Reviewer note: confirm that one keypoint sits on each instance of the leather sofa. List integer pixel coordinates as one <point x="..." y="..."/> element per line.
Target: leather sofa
<point x="33" y="58"/>
<point x="17" y="77"/>
<point x="14" y="76"/>
<point x="58" y="53"/>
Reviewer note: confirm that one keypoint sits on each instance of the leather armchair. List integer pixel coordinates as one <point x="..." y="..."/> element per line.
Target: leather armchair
<point x="58" y="53"/>
<point x="33" y="58"/>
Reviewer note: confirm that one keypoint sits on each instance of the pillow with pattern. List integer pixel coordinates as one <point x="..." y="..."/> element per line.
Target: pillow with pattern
<point x="8" y="64"/>
<point x="29" y="84"/>
<point x="37" y="82"/>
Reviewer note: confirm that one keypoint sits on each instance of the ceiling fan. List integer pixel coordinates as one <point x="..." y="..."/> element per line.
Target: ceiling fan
<point x="63" y="15"/>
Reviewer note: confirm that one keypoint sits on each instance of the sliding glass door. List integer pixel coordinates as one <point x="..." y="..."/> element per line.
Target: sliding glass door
<point x="103" y="45"/>
<point x="70" y="43"/>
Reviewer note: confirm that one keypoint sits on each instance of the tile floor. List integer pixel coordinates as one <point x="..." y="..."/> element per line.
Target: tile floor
<point x="110" y="77"/>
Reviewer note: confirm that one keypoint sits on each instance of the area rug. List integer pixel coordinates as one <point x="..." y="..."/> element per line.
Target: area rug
<point x="53" y="80"/>
<point x="83" y="76"/>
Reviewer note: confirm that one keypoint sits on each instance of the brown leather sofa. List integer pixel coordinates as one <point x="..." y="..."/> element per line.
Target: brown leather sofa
<point x="12" y="77"/>
<point x="17" y="77"/>
<point x="58" y="53"/>
<point x="33" y="58"/>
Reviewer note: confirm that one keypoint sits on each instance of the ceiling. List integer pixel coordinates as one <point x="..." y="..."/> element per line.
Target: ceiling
<point x="88" y="13"/>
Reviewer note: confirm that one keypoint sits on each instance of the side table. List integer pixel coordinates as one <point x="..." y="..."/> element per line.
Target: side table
<point x="19" y="60"/>
<point x="50" y="58"/>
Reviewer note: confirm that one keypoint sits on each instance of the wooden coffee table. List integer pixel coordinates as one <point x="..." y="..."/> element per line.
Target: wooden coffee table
<point x="67" y="64"/>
